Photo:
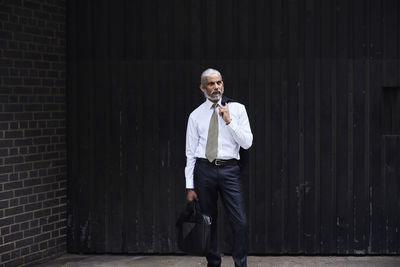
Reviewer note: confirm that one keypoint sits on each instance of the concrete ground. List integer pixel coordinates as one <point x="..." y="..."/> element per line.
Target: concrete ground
<point x="71" y="260"/>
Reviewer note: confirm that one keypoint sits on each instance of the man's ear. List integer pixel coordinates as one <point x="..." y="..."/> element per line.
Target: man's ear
<point x="201" y="88"/>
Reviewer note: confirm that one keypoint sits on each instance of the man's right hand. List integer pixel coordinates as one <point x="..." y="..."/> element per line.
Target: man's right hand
<point x="191" y="195"/>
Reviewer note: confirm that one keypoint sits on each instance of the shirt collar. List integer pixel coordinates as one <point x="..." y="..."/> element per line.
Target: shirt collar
<point x="209" y="103"/>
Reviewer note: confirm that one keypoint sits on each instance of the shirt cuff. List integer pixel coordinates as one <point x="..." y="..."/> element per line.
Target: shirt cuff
<point x="189" y="183"/>
<point x="232" y="125"/>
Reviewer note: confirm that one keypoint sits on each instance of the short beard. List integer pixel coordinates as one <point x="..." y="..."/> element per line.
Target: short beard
<point x="213" y="98"/>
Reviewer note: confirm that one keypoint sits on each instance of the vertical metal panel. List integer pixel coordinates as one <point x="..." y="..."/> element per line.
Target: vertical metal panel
<point x="391" y="158"/>
<point x="310" y="108"/>
<point x="322" y="176"/>
<point x="377" y="224"/>
<point x="343" y="53"/>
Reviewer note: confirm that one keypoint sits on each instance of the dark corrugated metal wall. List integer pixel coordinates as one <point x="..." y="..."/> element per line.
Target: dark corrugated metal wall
<point x="320" y="80"/>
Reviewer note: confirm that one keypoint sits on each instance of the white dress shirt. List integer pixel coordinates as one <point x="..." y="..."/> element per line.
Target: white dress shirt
<point x="230" y="137"/>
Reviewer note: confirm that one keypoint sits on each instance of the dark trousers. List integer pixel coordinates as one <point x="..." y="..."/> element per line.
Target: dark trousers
<point x="209" y="180"/>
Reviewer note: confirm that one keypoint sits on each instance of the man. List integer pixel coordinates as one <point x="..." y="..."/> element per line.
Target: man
<point x="215" y="133"/>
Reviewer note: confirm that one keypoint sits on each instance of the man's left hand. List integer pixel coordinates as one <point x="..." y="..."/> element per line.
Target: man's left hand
<point x="224" y="113"/>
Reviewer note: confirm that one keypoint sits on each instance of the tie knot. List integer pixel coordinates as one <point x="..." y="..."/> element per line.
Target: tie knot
<point x="214" y="105"/>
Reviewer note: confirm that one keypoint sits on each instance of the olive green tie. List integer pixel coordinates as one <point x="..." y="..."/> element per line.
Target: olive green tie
<point x="212" y="139"/>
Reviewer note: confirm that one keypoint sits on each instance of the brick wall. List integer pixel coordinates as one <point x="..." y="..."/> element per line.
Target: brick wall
<point x="32" y="131"/>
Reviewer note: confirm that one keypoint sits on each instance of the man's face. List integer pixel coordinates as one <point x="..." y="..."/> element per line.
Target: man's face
<point x="214" y="87"/>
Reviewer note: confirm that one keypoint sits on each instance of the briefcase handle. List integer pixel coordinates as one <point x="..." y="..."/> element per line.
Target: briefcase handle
<point x="196" y="207"/>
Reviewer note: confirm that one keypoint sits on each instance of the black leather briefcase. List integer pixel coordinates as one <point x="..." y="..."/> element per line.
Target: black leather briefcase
<point x="194" y="230"/>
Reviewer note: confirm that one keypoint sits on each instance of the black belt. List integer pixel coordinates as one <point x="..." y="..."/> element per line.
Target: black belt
<point x="220" y="162"/>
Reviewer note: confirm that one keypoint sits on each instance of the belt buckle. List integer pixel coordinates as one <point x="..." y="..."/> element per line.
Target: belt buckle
<point x="217" y="162"/>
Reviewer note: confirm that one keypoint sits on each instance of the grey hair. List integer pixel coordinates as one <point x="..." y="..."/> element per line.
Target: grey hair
<point x="207" y="73"/>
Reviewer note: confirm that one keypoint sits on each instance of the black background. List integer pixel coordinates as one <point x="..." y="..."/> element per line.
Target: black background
<point x="320" y="80"/>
